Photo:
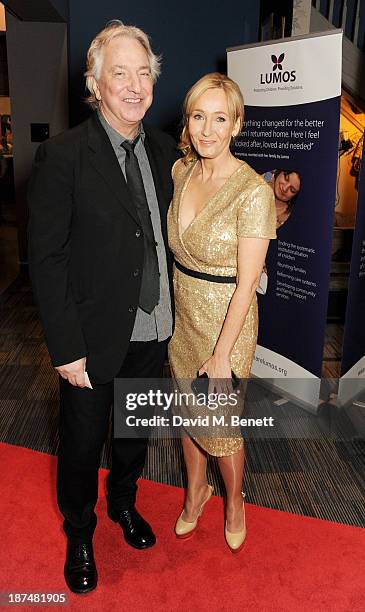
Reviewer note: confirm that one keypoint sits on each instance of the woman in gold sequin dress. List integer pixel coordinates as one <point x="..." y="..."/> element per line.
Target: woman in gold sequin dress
<point x="220" y="222"/>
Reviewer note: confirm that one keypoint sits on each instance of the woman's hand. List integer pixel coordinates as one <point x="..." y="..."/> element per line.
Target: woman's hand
<point x="218" y="369"/>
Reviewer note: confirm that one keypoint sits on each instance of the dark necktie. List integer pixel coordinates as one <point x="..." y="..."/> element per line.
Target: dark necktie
<point x="150" y="286"/>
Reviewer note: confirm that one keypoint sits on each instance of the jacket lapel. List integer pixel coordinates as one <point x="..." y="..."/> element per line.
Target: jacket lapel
<point x="103" y="158"/>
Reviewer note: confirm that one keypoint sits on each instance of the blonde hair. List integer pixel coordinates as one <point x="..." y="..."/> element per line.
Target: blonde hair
<point x="94" y="58"/>
<point x="213" y="80"/>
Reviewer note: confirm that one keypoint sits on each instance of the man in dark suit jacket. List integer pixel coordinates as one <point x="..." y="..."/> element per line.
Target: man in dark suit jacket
<point x="101" y="274"/>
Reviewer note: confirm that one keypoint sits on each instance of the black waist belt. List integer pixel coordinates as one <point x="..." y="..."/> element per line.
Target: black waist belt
<point x="208" y="277"/>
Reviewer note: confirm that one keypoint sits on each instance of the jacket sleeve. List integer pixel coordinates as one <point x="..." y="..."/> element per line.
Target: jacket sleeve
<point x="51" y="207"/>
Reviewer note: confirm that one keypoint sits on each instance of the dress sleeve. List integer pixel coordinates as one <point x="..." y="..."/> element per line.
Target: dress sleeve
<point x="256" y="213"/>
<point x="175" y="168"/>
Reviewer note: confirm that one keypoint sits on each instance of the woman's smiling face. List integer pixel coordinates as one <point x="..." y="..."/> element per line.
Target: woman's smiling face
<point x="210" y="125"/>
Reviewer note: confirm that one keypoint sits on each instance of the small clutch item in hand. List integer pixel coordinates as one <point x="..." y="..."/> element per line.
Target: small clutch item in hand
<point x="200" y="384"/>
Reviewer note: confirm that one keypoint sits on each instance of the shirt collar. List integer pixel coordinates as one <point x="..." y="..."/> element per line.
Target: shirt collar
<point x="115" y="138"/>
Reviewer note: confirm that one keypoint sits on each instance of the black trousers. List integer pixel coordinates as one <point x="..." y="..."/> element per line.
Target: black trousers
<point x="84" y="425"/>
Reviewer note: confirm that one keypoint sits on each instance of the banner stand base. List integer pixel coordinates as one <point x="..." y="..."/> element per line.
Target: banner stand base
<point x="271" y="385"/>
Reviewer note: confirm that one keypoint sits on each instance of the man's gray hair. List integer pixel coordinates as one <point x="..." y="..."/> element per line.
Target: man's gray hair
<point x="94" y="59"/>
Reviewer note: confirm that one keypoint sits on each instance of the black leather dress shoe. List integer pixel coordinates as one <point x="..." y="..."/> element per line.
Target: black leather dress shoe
<point x="80" y="569"/>
<point x="137" y="532"/>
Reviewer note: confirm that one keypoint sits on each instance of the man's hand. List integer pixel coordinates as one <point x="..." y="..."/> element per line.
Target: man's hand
<point x="74" y="372"/>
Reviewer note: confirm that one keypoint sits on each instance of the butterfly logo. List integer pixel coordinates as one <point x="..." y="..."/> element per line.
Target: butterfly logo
<point x="277" y="61"/>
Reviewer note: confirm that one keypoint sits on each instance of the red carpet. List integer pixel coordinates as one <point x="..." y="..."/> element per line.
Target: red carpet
<point x="288" y="563"/>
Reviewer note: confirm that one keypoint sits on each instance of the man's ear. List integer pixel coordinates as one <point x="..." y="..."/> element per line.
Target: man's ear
<point x="95" y="88"/>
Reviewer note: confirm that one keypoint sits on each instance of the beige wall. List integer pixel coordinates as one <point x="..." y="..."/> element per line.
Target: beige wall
<point x="2" y="18"/>
<point x="38" y="86"/>
<point x="4" y="105"/>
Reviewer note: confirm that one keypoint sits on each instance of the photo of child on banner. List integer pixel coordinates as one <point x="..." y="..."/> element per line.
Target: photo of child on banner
<point x="286" y="185"/>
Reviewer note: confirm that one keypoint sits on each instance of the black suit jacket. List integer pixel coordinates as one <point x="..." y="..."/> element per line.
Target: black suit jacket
<point x="86" y="243"/>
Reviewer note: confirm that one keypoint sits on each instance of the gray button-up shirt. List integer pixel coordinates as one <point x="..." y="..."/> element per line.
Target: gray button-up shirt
<point x="158" y="324"/>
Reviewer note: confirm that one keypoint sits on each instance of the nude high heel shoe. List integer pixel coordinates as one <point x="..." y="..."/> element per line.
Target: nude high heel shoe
<point x="236" y="540"/>
<point x="185" y="529"/>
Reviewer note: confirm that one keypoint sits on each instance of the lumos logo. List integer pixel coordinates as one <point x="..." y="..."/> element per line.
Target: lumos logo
<point x="278" y="75"/>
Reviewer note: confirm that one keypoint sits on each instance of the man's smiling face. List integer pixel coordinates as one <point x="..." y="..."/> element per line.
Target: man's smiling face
<point x="125" y="85"/>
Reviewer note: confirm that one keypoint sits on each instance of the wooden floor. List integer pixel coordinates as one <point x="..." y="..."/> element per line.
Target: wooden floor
<point x="9" y="266"/>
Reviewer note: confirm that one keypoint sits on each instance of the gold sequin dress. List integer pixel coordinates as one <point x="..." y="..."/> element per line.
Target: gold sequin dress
<point x="243" y="206"/>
